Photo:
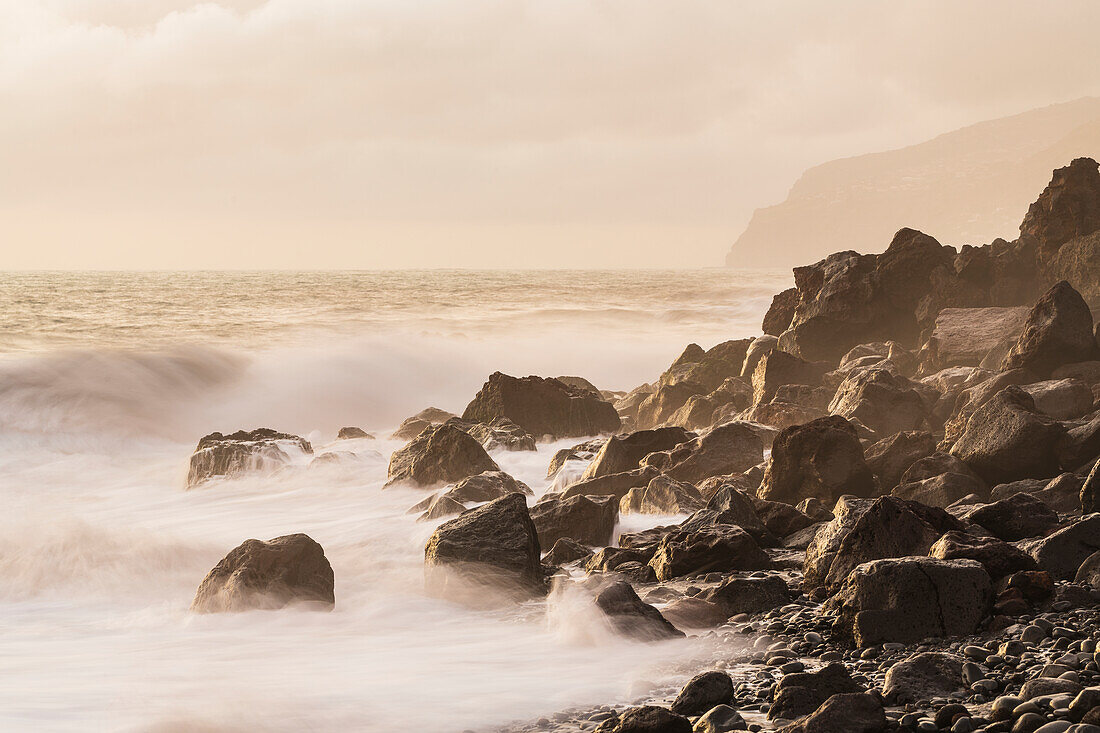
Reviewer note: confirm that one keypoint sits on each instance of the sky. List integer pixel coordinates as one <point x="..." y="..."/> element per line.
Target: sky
<point x="362" y="134"/>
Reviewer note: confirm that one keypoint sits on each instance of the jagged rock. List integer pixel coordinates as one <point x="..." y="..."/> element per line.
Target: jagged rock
<point x="565" y="551"/>
<point x="1061" y="493"/>
<point x="625" y="453"/>
<point x="627" y="406"/>
<point x="732" y="506"/>
<point x="912" y="598"/>
<point x="1062" y="399"/>
<point x="780" y="312"/>
<point x="663" y="495"/>
<point x="998" y="557"/>
<point x="924" y="676"/>
<point x="703" y="692"/>
<point x="1058" y="331"/>
<point x="615" y="484"/>
<point x="778" y="368"/>
<point x="730" y="448"/>
<point x="438" y="455"/>
<point x="580" y="453"/>
<point x="352" y="433"/>
<point x="494" y="547"/>
<point x="816" y="398"/>
<point x="800" y="693"/>
<point x="963" y="336"/>
<point x="659" y="407"/>
<point x="884" y="402"/>
<point x="822" y="550"/>
<point x="1069" y="207"/>
<point x="781" y="415"/>
<point x="890" y="457"/>
<point x="1062" y="552"/>
<point x="579" y="383"/>
<point x="542" y="407"/>
<point x="631" y="616"/>
<point x="487" y="486"/>
<point x="695" y="372"/>
<point x="721" y="548"/>
<point x="286" y="570"/>
<point x="501" y="433"/>
<point x="851" y="713"/>
<point x="748" y="595"/>
<point x="587" y="519"/>
<point x="1078" y="261"/>
<point x="1007" y="439"/>
<point x="821" y="459"/>
<point x="1018" y="517"/>
<point x="411" y="427"/>
<point x="954" y="379"/>
<point x="702" y="411"/>
<point x="230" y="455"/>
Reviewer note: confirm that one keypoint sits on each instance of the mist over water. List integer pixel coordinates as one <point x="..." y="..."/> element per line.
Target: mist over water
<point x="108" y="380"/>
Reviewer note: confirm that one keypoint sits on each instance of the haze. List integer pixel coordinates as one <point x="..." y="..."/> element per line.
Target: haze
<point x="315" y="134"/>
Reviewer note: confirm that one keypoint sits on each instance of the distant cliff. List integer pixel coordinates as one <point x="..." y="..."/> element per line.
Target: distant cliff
<point x="963" y="187"/>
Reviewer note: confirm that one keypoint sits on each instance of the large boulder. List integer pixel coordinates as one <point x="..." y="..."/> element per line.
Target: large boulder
<point x="822" y="459"/>
<point x="883" y="401"/>
<point x="909" y="599"/>
<point x="800" y="693"/>
<point x="731" y="448"/>
<point x="650" y="719"/>
<point x="1008" y="439"/>
<point x="501" y="434"/>
<point x="220" y="455"/>
<point x="780" y="312"/>
<point x="663" y="495"/>
<point x="718" y="548"/>
<point x="632" y="617"/>
<point x="963" y="336"/>
<point x="1018" y="517"/>
<point x="411" y="427"/>
<point x="731" y="505"/>
<point x="702" y="692"/>
<point x="613" y="484"/>
<point x="998" y="557"/>
<point x="494" y="547"/>
<point x="924" y="676"/>
<point x="1058" y="331"/>
<point x="542" y="407"/>
<point x="1062" y="552"/>
<point x="486" y="486"/>
<point x="941" y="490"/>
<point x="1061" y="399"/>
<point x="967" y="402"/>
<point x="440" y="454"/>
<point x="891" y="457"/>
<point x="708" y="369"/>
<point x="778" y="368"/>
<point x="852" y="713"/>
<point x="823" y="548"/>
<point x="748" y="595"/>
<point x="288" y="570"/>
<point x="587" y="519"/>
<point x="625" y="452"/>
<point x="780" y="415"/>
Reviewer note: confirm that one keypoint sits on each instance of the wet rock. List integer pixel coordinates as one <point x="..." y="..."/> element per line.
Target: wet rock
<point x="650" y="719"/>
<point x="822" y="459"/>
<point x="566" y="550"/>
<point x="1015" y="518"/>
<point x="883" y="401"/>
<point x="726" y="449"/>
<point x="703" y="692"/>
<point x="663" y="495"/>
<point x="288" y="570"/>
<point x="1061" y="399"/>
<point x="890" y="457"/>
<point x="720" y="719"/>
<point x="494" y="547"/>
<point x="1062" y="552"/>
<point x="694" y="613"/>
<point x="625" y="453"/>
<point x="999" y="558"/>
<point x="749" y="595"/>
<point x="587" y="519"/>
<point x="230" y="455"/>
<point x="542" y="407"/>
<point x="851" y="713"/>
<point x="615" y="484"/>
<point x="721" y="548"/>
<point x="353" y="433"/>
<point x="1058" y="331"/>
<point x="439" y="506"/>
<point x="630" y="616"/>
<point x="501" y="433"/>
<point x="411" y="427"/>
<point x="438" y="455"/>
<point x="913" y="598"/>
<point x="800" y="693"/>
<point x="487" y="486"/>
<point x="924" y="676"/>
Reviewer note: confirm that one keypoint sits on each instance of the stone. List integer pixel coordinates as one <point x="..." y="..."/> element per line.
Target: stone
<point x="1069" y="207"/>
<point x="821" y="459"/>
<point x="218" y="455"/>
<point x="487" y="486"/>
<point x="780" y="312"/>
<point x="941" y="491"/>
<point x="963" y="336"/>
<point x="1015" y="518"/>
<point x="884" y="402"/>
<point x="800" y="693"/>
<point x="659" y="408"/>
<point x="1061" y="399"/>
<point x="440" y="454"/>
<point x="632" y="617"/>
<point x="702" y="693"/>
<point x="353" y="433"/>
<point x="494" y="547"/>
<point x="694" y="613"/>
<point x="909" y="599"/>
<point x="725" y="449"/>
<point x="625" y="453"/>
<point x="1081" y="444"/>
<point x="967" y="402"/>
<point x="1061" y="493"/>
<point x="782" y="520"/>
<point x="413" y="426"/>
<point x="1090" y="492"/>
<point x="1058" y="331"/>
<point x="1062" y="553"/>
<point x="890" y="457"/>
<point x="778" y="368"/>
<point x="586" y="519"/>
<point x="780" y="415"/>
<point x="566" y="550"/>
<point x="581" y="453"/>
<point x="998" y="557"/>
<point x="924" y="676"/>
<point x="651" y="719"/>
<point x="1078" y="261"/>
<point x="721" y="548"/>
<point x="760" y="346"/>
<point x="1088" y="573"/>
<point x="822" y="549"/>
<point x="748" y="595"/>
<point x="720" y="719"/>
<point x="1042" y="686"/>
<point x="439" y="506"/>
<point x="616" y="484"/>
<point x="851" y="713"/>
<point x="287" y="570"/>
<point x="500" y="434"/>
<point x="663" y="495"/>
<point x="729" y="505"/>
<point x="1006" y="439"/>
<point x="542" y="407"/>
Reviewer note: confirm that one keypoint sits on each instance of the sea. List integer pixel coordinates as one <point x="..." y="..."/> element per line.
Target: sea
<point x="108" y="380"/>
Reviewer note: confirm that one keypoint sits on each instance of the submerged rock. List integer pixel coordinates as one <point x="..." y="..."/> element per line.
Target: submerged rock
<point x="542" y="407"/>
<point x="439" y="455"/>
<point x="220" y="455"/>
<point x="352" y="433"/>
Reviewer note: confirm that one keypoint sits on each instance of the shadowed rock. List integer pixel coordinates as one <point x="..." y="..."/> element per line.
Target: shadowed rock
<point x="923" y="677"/>
<point x="625" y="453"/>
<point x="587" y="519"/>
<point x="413" y="426"/>
<point x="1058" y="331"/>
<point x="800" y="693"/>
<point x="542" y="407"/>
<point x="631" y="616"/>
<point x="821" y="459"/>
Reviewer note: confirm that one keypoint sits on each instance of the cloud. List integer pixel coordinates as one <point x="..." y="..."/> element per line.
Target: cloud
<point x="481" y="132"/>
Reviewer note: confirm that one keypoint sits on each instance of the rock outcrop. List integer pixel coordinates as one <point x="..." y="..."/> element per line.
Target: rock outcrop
<point x="542" y="407"/>
<point x="438" y="455"/>
<point x="230" y="455"/>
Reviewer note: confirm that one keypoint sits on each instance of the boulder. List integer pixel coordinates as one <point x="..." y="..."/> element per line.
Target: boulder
<point x="780" y="415"/>
<point x="353" y="433"/>
<point x="1007" y="439"/>
<point x="625" y="453"/>
<point x="924" y="676"/>
<point x="1088" y="573"/>
<point x="800" y="693"/>
<point x="963" y="336"/>
<point x="780" y="312"/>
<point x="1061" y="399"/>
<point x="230" y="455"/>
<point x="726" y="449"/>
<point x="438" y="506"/>
<point x="702" y="692"/>
<point x="851" y="713"/>
<point x="494" y="547"/>
<point x="440" y="454"/>
<point x="1018" y="517"/>
<point x="663" y="495"/>
<point x="579" y="383"/>
<point x="694" y="613"/>
<point x="1061" y="493"/>
<point x="666" y="401"/>
<point x="565" y="551"/>
<point x="890" y="457"/>
<point x="1081" y="444"/>
<point x="632" y="617"/>
<point x="777" y="368"/>
<point x="614" y="484"/>
<point x="881" y="400"/>
<point x="729" y="505"/>
<point x="1069" y="207"/>
<point x="940" y="491"/>
<point x="581" y="453"/>
<point x="587" y="519"/>
<point x="500" y="434"/>
<point x="998" y="557"/>
<point x="1058" y="331"/>
<point x="1090" y="492"/>
<point x="822" y="549"/>
<point x="781" y="519"/>
<point x="411" y="427"/>
<point x="720" y="719"/>
<point x="542" y="407"/>
<point x="968" y="401"/>
<point x="651" y="719"/>
<point x="288" y="570"/>
<point x="910" y="599"/>
<point x="721" y="548"/>
<point x="487" y="486"/>
<point x="748" y="595"/>
<point x="1078" y="261"/>
<point x="709" y="368"/>
<point x="760" y="346"/>
<point x="821" y="459"/>
<point x="1062" y="552"/>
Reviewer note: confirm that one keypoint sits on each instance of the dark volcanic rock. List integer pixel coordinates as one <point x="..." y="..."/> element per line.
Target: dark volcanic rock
<point x="780" y="312"/>
<point x="1088" y="573"/>
<point x="800" y="693"/>
<point x="964" y="336"/>
<point x="438" y="455"/>
<point x="998" y="557"/>
<point x="923" y="677"/>
<point x="821" y="459"/>
<point x="1057" y="331"/>
<point x="287" y="570"/>
<point x="883" y="401"/>
<point x="891" y="457"/>
<point x="631" y="616"/>
<point x="493" y="547"/>
<point x="721" y="548"/>
<point x="625" y="453"/>
<point x="542" y="407"/>
<point x="239" y="452"/>
<point x="587" y="519"/>
<point x="851" y="713"/>
<point x="703" y="692"/>
<point x="1018" y="517"/>
<point x="781" y="519"/>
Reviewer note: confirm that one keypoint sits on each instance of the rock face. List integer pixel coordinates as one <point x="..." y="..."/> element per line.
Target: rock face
<point x="800" y="693"/>
<point x="586" y="519"/>
<point x="703" y="692"/>
<point x="494" y="546"/>
<point x="632" y="617"/>
<point x="963" y="336"/>
<point x="438" y="455"/>
<point x="1078" y="261"/>
<point x="851" y="713"/>
<point x="1068" y="208"/>
<point x="625" y="453"/>
<point x="1007" y="439"/>
<point x="231" y="455"/>
<point x="881" y="400"/>
<point x="913" y="598"/>
<point x="1062" y="553"/>
<point x="1058" y="331"/>
<point x="731" y="448"/>
<point x="721" y="548"/>
<point x="822" y="459"/>
<point x="287" y="570"/>
<point x="923" y="677"/>
<point x="542" y="407"/>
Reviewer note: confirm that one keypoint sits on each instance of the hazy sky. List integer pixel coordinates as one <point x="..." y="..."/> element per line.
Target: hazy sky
<point x="406" y="133"/>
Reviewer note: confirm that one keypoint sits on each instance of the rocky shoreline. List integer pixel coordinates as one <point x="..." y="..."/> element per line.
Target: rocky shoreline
<point x="892" y="495"/>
